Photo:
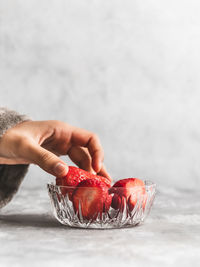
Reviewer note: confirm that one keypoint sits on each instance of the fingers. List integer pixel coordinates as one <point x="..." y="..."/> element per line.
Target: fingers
<point x="104" y="173"/>
<point x="45" y="159"/>
<point x="81" y="157"/>
<point x="96" y="152"/>
<point x="81" y="137"/>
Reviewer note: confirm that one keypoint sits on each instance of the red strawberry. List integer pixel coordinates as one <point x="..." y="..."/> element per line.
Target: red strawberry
<point x="116" y="202"/>
<point x="62" y="183"/>
<point x="93" y="197"/>
<point x="74" y="177"/>
<point x="130" y="189"/>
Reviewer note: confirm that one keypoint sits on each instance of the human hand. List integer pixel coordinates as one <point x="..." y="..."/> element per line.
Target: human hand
<point x="42" y="142"/>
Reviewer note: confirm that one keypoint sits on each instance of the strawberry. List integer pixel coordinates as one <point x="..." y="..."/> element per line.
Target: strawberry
<point x="93" y="197"/>
<point x="74" y="177"/>
<point x="62" y="183"/>
<point x="116" y="202"/>
<point x="130" y="189"/>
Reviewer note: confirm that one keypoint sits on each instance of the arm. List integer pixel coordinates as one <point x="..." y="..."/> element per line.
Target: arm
<point x="11" y="176"/>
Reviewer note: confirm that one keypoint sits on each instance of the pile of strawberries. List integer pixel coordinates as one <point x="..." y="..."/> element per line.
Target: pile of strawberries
<point x="95" y="194"/>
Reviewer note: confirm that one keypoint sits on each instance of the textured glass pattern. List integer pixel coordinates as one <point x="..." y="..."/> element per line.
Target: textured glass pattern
<point x="123" y="217"/>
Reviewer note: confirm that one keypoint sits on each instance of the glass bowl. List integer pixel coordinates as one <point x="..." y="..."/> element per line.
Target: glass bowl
<point x="123" y="216"/>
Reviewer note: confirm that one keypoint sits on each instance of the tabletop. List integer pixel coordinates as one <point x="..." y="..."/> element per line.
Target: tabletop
<point x="170" y="236"/>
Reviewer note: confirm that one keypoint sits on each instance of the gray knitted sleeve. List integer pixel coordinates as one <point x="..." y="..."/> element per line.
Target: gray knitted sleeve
<point x="11" y="176"/>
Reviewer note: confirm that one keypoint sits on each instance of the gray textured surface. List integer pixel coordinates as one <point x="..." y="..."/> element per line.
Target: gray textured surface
<point x="128" y="70"/>
<point x="30" y="236"/>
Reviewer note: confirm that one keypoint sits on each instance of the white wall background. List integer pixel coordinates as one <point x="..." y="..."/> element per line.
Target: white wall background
<point x="128" y="70"/>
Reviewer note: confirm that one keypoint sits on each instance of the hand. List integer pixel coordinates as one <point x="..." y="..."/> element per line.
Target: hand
<point x="41" y="142"/>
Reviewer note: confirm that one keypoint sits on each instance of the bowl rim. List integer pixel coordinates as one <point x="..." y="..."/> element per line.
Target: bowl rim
<point x="148" y="184"/>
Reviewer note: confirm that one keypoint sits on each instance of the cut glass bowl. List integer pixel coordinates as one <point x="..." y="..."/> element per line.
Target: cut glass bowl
<point x="64" y="211"/>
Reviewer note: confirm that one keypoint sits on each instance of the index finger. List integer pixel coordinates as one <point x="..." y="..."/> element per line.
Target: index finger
<point x="90" y="140"/>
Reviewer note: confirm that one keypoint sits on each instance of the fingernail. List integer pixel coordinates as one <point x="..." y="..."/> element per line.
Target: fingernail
<point x="93" y="172"/>
<point x="99" y="166"/>
<point x="60" y="168"/>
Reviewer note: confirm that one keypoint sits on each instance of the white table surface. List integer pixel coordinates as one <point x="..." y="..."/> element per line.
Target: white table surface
<point x="170" y="236"/>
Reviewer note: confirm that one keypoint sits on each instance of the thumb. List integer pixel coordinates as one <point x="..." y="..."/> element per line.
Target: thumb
<point x="48" y="161"/>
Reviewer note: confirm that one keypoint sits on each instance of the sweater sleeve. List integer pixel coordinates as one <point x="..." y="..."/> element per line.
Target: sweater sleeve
<point x="11" y="176"/>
